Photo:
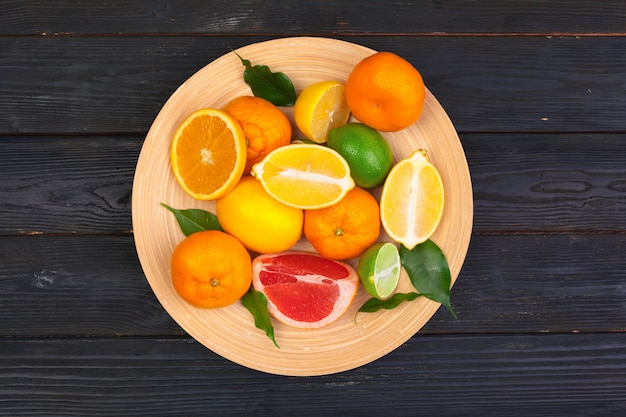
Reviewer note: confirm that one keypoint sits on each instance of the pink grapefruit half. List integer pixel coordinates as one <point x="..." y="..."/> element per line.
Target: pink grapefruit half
<point x="304" y="289"/>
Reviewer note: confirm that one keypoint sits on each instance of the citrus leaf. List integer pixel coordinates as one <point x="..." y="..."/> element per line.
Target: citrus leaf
<point x="274" y="87"/>
<point x="429" y="272"/>
<point x="256" y="303"/>
<point x="194" y="220"/>
<point x="374" y="304"/>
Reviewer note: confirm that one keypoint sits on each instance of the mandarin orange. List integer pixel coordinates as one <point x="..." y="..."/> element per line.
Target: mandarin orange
<point x="346" y="229"/>
<point x="211" y="269"/>
<point x="385" y="92"/>
<point x="264" y="125"/>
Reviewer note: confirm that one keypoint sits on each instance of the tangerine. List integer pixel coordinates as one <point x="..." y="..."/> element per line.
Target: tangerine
<point x="385" y="92"/>
<point x="264" y="125"/>
<point x="211" y="269"/>
<point x="346" y="229"/>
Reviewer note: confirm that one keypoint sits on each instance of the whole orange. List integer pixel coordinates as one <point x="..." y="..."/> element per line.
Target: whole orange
<point x="264" y="125"/>
<point x="385" y="92"/>
<point x="211" y="269"/>
<point x="346" y="229"/>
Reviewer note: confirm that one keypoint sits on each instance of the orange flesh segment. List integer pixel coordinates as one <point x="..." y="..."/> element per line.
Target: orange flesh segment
<point x="208" y="154"/>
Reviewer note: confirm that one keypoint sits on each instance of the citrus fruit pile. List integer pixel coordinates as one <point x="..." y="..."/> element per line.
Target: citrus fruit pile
<point x="275" y="185"/>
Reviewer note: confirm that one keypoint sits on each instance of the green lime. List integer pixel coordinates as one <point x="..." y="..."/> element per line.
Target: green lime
<point x="367" y="152"/>
<point x="379" y="269"/>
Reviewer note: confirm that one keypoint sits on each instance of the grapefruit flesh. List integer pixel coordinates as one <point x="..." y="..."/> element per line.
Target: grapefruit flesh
<point x="304" y="289"/>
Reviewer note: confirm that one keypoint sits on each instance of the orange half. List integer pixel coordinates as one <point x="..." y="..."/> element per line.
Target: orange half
<point x="208" y="154"/>
<point x="305" y="176"/>
<point x="412" y="200"/>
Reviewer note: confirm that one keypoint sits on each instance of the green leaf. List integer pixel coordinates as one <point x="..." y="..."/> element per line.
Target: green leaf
<point x="194" y="220"/>
<point x="374" y="304"/>
<point x="274" y="87"/>
<point x="429" y="272"/>
<point x="256" y="303"/>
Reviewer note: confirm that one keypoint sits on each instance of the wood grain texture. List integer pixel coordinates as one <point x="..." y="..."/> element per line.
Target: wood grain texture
<point x="548" y="182"/>
<point x="94" y="285"/>
<point x="69" y="185"/>
<point x="522" y="183"/>
<point x="76" y="285"/>
<point x="229" y="331"/>
<point x="555" y="375"/>
<point x="103" y="85"/>
<point x="311" y="18"/>
<point x="536" y="89"/>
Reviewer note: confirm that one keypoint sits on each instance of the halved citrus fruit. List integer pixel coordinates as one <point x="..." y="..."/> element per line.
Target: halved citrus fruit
<point x="304" y="289"/>
<point x="208" y="154"/>
<point x="320" y="107"/>
<point x="305" y="176"/>
<point x="412" y="200"/>
<point x="379" y="269"/>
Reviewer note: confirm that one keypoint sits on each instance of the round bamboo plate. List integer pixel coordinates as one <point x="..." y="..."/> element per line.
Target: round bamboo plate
<point x="230" y="331"/>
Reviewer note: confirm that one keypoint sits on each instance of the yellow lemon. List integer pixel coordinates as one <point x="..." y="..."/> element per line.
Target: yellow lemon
<point x="320" y="107"/>
<point x="305" y="176"/>
<point x="262" y="223"/>
<point x="412" y="200"/>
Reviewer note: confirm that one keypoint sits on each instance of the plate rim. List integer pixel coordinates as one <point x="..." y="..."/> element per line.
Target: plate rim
<point x="428" y="307"/>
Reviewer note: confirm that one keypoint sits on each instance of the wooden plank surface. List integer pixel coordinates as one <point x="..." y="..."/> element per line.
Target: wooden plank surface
<point x="112" y="84"/>
<point x="98" y="281"/>
<point x="523" y="183"/>
<point x="68" y="185"/>
<point x="536" y="90"/>
<point x="553" y="375"/>
<point x="312" y="18"/>
<point x="508" y="284"/>
<point x="550" y="183"/>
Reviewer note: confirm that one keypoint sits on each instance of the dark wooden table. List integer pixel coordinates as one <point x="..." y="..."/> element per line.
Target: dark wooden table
<point x="537" y="92"/>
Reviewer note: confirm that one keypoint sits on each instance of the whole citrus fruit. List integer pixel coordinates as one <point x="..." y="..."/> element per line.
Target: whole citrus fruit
<point x="211" y="269"/>
<point x="303" y="289"/>
<point x="385" y="92"/>
<point x="345" y="229"/>
<point x="264" y="125"/>
<point x="262" y="223"/>
<point x="367" y="152"/>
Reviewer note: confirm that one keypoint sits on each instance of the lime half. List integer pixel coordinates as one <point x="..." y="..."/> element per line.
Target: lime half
<point x="379" y="269"/>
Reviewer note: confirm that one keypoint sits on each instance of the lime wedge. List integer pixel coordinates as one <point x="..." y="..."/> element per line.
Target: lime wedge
<point x="379" y="269"/>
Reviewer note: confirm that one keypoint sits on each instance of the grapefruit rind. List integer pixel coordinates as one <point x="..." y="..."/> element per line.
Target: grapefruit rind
<point x="303" y="296"/>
